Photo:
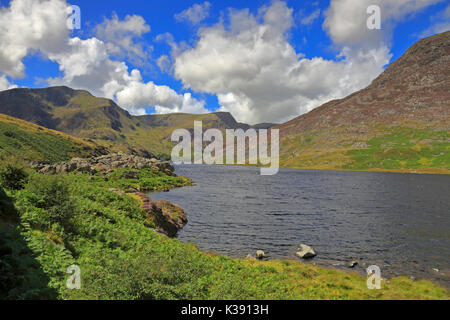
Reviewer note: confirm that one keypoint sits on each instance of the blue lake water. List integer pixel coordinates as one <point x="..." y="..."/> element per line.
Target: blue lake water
<point x="400" y="222"/>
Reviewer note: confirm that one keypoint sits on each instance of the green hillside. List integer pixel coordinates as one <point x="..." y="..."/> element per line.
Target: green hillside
<point x="369" y="148"/>
<point x="24" y="140"/>
<point x="80" y="114"/>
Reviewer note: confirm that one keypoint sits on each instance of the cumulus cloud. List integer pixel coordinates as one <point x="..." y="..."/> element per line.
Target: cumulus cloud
<point x="5" y="84"/>
<point x="87" y="64"/>
<point x="27" y="26"/>
<point x="195" y="14"/>
<point x="94" y="64"/>
<point x="257" y="74"/>
<point x="123" y="38"/>
<point x="346" y="20"/>
<point x="163" y="98"/>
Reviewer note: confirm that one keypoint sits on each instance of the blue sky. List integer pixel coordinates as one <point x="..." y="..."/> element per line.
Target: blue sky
<point x="313" y="33"/>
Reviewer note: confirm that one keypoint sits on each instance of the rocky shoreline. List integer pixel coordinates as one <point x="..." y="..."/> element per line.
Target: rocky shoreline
<point x="168" y="217"/>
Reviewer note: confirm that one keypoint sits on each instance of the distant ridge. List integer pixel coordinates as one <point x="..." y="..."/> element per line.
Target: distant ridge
<point x="79" y="113"/>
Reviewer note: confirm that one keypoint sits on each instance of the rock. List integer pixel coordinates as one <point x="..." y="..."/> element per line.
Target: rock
<point x="260" y="254"/>
<point x="353" y="264"/>
<point x="360" y="145"/>
<point x="169" y="217"/>
<point x="130" y="175"/>
<point x="105" y="163"/>
<point x="306" y="252"/>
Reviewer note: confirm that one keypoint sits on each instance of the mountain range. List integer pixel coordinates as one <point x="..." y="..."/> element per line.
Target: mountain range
<point x="400" y="122"/>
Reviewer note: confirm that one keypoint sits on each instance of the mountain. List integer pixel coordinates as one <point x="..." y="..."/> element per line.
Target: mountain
<point x="99" y="120"/>
<point x="24" y="140"/>
<point x="399" y="122"/>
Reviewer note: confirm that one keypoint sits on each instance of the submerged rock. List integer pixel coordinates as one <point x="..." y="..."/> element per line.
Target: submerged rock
<point x="306" y="252"/>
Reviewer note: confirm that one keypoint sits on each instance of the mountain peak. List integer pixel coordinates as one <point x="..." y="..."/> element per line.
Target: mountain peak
<point x="414" y="88"/>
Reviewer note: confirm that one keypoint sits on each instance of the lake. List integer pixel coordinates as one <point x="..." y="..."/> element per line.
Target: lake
<point x="399" y="222"/>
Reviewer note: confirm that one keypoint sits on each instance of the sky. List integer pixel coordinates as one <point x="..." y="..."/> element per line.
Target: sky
<point x="263" y="61"/>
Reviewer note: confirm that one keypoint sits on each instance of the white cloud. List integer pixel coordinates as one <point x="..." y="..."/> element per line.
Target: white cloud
<point x="5" y="84"/>
<point x="27" y="26"/>
<point x="259" y="77"/>
<point x="87" y="65"/>
<point x="163" y="98"/>
<point x="122" y="38"/>
<point x="346" y="20"/>
<point x="308" y="20"/>
<point x="195" y="14"/>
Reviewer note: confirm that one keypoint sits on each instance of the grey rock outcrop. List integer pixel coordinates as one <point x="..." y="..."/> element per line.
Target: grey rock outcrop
<point x="106" y="163"/>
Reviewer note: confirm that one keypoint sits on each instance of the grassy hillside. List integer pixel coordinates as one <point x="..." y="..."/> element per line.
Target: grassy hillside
<point x="28" y="141"/>
<point x="370" y="147"/>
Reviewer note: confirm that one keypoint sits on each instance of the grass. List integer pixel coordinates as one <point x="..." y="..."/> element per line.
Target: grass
<point x="384" y="148"/>
<point x="404" y="148"/>
<point x="31" y="142"/>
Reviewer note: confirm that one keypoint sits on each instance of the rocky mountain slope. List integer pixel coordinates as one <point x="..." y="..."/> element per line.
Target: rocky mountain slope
<point x="401" y="121"/>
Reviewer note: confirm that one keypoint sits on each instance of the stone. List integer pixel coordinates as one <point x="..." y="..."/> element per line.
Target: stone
<point x="353" y="264"/>
<point x="306" y="252"/>
<point x="260" y="254"/>
<point x="105" y="163"/>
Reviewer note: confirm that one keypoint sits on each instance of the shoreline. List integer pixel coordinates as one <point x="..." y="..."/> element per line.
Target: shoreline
<point x="430" y="171"/>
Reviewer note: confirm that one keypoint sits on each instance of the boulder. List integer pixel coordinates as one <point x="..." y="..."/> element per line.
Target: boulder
<point x="260" y="254"/>
<point x="352" y="264"/>
<point x="306" y="252"/>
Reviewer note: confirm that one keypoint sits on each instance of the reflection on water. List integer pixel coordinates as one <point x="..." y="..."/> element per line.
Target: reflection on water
<point x="399" y="222"/>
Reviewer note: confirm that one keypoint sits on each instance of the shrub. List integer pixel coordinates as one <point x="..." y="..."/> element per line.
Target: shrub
<point x="13" y="177"/>
<point x="52" y="194"/>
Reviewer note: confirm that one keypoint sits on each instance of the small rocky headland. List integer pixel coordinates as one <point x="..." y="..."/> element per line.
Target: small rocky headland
<point x="167" y="217"/>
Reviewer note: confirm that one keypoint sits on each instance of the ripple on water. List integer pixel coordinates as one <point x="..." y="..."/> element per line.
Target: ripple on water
<point x="390" y="219"/>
